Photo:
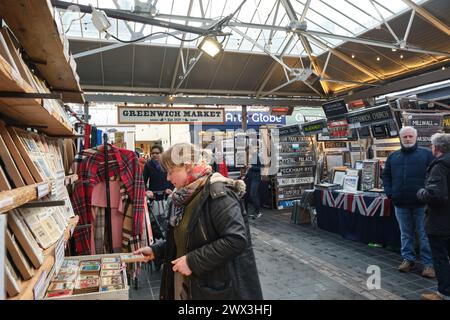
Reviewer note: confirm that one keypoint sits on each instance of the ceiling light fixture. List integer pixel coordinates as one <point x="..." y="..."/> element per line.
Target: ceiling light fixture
<point x="401" y="56"/>
<point x="353" y="56"/>
<point x="378" y="59"/>
<point x="443" y="68"/>
<point x="210" y="46"/>
<point x="394" y="49"/>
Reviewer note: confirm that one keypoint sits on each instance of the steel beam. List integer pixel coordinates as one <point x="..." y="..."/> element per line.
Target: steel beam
<point x="428" y="17"/>
<point x="399" y="85"/>
<point x="370" y="42"/>
<point x="293" y="16"/>
<point x="385" y="22"/>
<point x="345" y="58"/>
<point x="115" y="98"/>
<point x="122" y="15"/>
<point x="408" y="28"/>
<point x="273" y="68"/>
<point x="180" y="54"/>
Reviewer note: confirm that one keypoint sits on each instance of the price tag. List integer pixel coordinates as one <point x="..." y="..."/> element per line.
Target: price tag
<point x="6" y="202"/>
<point x="42" y="190"/>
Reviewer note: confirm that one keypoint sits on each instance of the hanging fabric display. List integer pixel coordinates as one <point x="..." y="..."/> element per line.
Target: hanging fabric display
<point x="124" y="167"/>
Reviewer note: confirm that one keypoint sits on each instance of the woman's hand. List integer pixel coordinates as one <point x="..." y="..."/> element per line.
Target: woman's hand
<point x="180" y="265"/>
<point x="168" y="191"/>
<point x="147" y="252"/>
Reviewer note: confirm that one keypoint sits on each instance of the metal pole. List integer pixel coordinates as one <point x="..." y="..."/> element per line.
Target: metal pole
<point x="108" y="227"/>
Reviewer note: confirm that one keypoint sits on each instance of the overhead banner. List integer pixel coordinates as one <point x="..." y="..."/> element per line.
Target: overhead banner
<point x="335" y="109"/>
<point x="165" y="115"/>
<point x="369" y="117"/>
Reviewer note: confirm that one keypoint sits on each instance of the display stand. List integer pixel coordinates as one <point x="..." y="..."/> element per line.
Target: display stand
<point x="109" y="245"/>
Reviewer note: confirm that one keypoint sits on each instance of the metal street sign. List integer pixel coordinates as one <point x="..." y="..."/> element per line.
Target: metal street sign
<point x="151" y="115"/>
<point x="335" y="109"/>
<point x="313" y="127"/>
<point x="369" y="117"/>
<point x="294" y="181"/>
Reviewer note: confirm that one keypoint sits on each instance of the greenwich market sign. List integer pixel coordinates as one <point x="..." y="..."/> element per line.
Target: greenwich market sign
<point x="151" y="115"/>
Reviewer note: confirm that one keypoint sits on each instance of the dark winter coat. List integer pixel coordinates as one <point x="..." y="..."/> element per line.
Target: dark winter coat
<point x="220" y="253"/>
<point x="436" y="195"/>
<point x="155" y="179"/>
<point x="404" y="174"/>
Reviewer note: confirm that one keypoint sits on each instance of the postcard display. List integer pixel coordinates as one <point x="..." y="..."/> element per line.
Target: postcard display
<point x="32" y="234"/>
<point x="296" y="164"/>
<point x="33" y="159"/>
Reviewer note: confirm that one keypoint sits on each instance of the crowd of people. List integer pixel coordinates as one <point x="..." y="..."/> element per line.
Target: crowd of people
<point x="200" y="215"/>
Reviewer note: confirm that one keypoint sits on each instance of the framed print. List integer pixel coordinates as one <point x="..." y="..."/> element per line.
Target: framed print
<point x="351" y="183"/>
<point x="18" y="258"/>
<point x="334" y="160"/>
<point x="338" y="177"/>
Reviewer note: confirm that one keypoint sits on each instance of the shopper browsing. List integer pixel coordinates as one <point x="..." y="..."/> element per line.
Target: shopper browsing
<point x="403" y="176"/>
<point x="436" y="195"/>
<point x="208" y="252"/>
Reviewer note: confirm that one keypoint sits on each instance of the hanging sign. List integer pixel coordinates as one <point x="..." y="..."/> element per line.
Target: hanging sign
<point x="424" y="120"/>
<point x="289" y="192"/>
<point x="314" y="127"/>
<point x="446" y="123"/>
<point x="289" y="130"/>
<point x="294" y="181"/>
<point x="151" y="115"/>
<point x="295" y="147"/>
<point x="335" y="109"/>
<point x="286" y="161"/>
<point x="295" y="139"/>
<point x="297" y="171"/>
<point x="335" y="145"/>
<point x="369" y="117"/>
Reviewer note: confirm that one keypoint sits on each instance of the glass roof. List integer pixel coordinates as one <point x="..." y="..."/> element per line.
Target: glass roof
<point x="341" y="17"/>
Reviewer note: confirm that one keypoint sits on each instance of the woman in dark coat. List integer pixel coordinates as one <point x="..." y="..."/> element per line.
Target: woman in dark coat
<point x="208" y="252"/>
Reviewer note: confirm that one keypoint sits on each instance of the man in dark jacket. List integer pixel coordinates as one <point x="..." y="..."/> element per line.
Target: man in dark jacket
<point x="436" y="195"/>
<point x="403" y="176"/>
<point x="155" y="179"/>
<point x="157" y="189"/>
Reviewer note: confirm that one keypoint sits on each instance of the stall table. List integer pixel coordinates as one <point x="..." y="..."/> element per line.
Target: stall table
<point x="361" y="217"/>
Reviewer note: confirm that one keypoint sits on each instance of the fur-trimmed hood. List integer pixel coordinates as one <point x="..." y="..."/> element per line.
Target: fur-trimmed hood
<point x="237" y="186"/>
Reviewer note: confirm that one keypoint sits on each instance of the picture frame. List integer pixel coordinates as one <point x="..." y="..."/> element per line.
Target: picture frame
<point x="351" y="183"/>
<point x="338" y="177"/>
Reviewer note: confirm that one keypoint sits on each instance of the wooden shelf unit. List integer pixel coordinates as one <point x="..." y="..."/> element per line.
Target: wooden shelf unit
<point x="26" y="292"/>
<point x="28" y="111"/>
<point x="15" y="198"/>
<point x="33" y="24"/>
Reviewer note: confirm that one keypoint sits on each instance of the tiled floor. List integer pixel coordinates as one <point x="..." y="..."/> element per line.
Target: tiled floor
<point x="300" y="262"/>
